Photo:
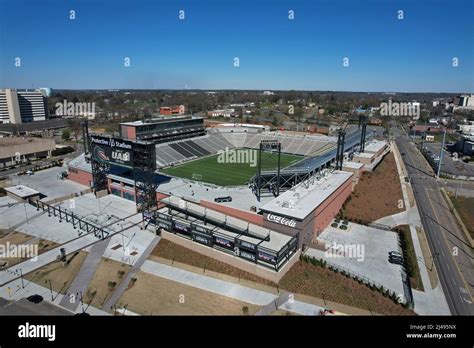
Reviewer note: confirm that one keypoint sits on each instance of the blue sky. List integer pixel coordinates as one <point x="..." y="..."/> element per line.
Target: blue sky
<point x="385" y="54"/>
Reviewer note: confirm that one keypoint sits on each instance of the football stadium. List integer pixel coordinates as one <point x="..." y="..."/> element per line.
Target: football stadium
<point x="240" y="193"/>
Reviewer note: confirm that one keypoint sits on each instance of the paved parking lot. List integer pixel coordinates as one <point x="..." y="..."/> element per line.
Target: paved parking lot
<point x="47" y="182"/>
<point x="449" y="165"/>
<point x="372" y="261"/>
<point x="25" y="307"/>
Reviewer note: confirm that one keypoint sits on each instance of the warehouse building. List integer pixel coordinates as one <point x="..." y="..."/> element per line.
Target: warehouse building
<point x="15" y="150"/>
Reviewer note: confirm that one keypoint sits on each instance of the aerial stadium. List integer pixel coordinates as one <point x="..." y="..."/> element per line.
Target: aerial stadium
<point x="242" y="194"/>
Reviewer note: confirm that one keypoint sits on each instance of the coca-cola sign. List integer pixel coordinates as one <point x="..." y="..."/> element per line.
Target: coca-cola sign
<point x="281" y="220"/>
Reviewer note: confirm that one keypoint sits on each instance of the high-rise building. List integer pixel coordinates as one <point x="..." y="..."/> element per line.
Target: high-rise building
<point x="21" y="106"/>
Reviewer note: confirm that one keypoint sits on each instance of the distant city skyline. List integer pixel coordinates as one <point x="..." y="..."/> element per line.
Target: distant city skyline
<point x="88" y="48"/>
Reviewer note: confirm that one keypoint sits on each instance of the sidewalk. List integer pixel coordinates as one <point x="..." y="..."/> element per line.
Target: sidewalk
<point x="225" y="288"/>
<point x="14" y="291"/>
<point x="431" y="301"/>
<point x="28" y="266"/>
<point x="131" y="273"/>
<point x="85" y="274"/>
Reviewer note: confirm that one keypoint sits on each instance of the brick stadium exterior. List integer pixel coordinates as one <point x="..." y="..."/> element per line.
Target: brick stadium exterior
<point x="326" y="199"/>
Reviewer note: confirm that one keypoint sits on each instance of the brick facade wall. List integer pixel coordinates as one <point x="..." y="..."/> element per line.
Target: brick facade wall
<point x="80" y="176"/>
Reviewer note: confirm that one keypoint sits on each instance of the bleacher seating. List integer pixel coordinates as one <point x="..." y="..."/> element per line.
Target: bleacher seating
<point x="290" y="144"/>
<point x="185" y="149"/>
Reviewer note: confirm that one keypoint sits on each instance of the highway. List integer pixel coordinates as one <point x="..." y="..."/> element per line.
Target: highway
<point x="453" y="256"/>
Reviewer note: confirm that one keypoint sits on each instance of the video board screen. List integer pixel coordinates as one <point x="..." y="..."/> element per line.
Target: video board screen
<point x="112" y="151"/>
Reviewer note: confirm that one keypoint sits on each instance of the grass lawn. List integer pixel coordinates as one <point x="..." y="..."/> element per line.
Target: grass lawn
<point x="464" y="207"/>
<point x="450" y="138"/>
<point x="227" y="174"/>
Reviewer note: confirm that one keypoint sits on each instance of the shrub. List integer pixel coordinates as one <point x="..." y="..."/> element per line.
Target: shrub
<point x="245" y="310"/>
<point x="62" y="151"/>
<point x="112" y="285"/>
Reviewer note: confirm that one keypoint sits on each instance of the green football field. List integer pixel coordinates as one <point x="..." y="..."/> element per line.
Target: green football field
<point x="210" y="170"/>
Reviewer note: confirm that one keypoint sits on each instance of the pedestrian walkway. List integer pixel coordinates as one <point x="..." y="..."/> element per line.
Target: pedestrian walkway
<point x="28" y="266"/>
<point x="120" y="289"/>
<point x="224" y="288"/>
<point x="83" y="277"/>
<point x="273" y="305"/>
<point x="16" y="291"/>
<point x="430" y="301"/>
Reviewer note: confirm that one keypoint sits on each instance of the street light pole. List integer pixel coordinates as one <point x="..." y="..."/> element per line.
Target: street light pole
<point x="441" y="153"/>
<point x="26" y="214"/>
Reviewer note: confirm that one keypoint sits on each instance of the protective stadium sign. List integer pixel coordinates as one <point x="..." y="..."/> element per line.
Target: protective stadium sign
<point x="281" y="220"/>
<point x="112" y="151"/>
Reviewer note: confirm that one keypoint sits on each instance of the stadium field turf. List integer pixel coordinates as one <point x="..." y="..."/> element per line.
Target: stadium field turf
<point x="225" y="172"/>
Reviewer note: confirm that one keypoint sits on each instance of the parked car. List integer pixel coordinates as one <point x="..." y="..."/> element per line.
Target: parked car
<point x="223" y="199"/>
<point x="35" y="298"/>
<point x="395" y="253"/>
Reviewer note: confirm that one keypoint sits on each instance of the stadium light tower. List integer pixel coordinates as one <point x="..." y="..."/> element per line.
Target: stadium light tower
<point x="273" y="183"/>
<point x="341" y="135"/>
<point x="363" y="123"/>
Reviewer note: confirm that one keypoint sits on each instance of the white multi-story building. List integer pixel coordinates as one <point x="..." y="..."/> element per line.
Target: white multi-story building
<point x="222" y="113"/>
<point x="463" y="102"/>
<point x="18" y="106"/>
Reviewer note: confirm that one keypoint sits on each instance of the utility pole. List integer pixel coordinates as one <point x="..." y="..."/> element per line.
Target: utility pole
<point x="457" y="188"/>
<point x="26" y="214"/>
<point x="441" y="153"/>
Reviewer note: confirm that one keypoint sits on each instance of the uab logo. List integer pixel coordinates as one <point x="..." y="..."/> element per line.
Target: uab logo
<point x="121" y="156"/>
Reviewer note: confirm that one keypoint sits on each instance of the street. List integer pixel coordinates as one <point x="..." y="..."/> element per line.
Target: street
<point x="453" y="256"/>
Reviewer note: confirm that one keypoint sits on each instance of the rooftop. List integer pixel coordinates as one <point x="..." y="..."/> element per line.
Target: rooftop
<point x="276" y="240"/>
<point x="80" y="163"/>
<point x="160" y="119"/>
<point x="302" y="199"/>
<point x="21" y="191"/>
<point x="9" y="141"/>
<point x="363" y="154"/>
<point x="375" y="146"/>
<point x="353" y="165"/>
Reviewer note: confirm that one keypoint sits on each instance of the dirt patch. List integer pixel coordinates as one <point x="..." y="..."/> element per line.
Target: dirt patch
<point x="378" y="193"/>
<point x="152" y="295"/>
<point x="13" y="237"/>
<point x="324" y="281"/>
<point x="59" y="276"/>
<point x="307" y="279"/>
<point x="174" y="252"/>
<point x="107" y="277"/>
<point x="29" y="245"/>
<point x="464" y="207"/>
